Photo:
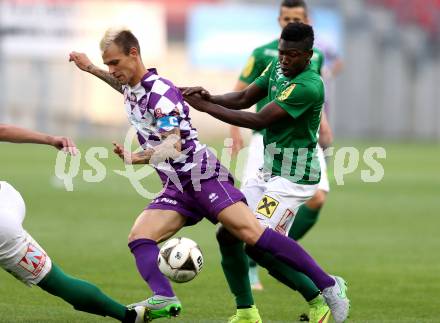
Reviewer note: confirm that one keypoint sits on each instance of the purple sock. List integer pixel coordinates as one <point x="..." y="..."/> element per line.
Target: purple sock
<point x="290" y="252"/>
<point x="145" y="252"/>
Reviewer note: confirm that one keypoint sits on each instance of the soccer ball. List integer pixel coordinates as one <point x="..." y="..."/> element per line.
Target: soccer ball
<point x="180" y="259"/>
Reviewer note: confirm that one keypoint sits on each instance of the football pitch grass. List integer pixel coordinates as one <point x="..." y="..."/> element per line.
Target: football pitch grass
<point x="381" y="237"/>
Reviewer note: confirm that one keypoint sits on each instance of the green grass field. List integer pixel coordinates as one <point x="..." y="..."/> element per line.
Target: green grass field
<point x="382" y="237"/>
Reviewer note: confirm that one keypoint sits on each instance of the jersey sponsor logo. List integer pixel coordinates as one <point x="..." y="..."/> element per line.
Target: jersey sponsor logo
<point x="286" y="93"/>
<point x="34" y="260"/>
<point x="249" y="67"/>
<point x="164" y="200"/>
<point x="267" y="206"/>
<point x="284" y="222"/>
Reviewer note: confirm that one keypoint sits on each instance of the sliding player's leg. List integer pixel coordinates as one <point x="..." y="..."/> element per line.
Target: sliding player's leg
<point x="25" y="259"/>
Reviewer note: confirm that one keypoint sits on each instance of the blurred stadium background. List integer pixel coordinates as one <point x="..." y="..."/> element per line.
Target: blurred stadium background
<point x="382" y="237"/>
<point x="388" y="87"/>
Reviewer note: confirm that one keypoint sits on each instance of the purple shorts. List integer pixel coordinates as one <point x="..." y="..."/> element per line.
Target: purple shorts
<point x="199" y="198"/>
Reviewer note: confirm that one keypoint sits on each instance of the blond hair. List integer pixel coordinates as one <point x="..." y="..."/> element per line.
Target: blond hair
<point x="122" y="37"/>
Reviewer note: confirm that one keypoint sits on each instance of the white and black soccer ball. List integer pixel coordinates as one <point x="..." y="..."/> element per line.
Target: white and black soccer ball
<point x="180" y="259"/>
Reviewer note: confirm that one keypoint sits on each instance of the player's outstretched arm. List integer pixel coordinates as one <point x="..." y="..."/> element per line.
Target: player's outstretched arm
<point x="270" y="114"/>
<point x="237" y="100"/>
<point x="20" y="135"/>
<point x="85" y="64"/>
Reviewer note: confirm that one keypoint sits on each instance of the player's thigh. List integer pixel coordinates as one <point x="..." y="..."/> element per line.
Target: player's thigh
<point x="157" y="225"/>
<point x="11" y="203"/>
<point x="27" y="260"/>
<point x="12" y="213"/>
<point x="239" y="220"/>
<point x="280" y="202"/>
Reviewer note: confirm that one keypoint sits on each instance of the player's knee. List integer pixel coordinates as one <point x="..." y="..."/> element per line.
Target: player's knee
<point x="249" y="235"/>
<point x="318" y="200"/>
<point x="224" y="237"/>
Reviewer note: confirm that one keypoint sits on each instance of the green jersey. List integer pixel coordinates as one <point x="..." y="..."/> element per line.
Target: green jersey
<point x="263" y="56"/>
<point x="257" y="62"/>
<point x="290" y="144"/>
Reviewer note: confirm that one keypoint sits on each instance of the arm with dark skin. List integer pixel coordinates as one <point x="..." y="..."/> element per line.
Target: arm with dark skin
<point x="238" y="100"/>
<point x="270" y="114"/>
<point x="170" y="147"/>
<point x="83" y="63"/>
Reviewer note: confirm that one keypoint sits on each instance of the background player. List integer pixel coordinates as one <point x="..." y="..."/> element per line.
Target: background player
<point x="25" y="259"/>
<point x="290" y="11"/>
<point x="156" y="109"/>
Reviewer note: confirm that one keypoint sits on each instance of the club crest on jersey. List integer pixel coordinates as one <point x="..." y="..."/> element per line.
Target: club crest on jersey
<point x="34" y="259"/>
<point x="286" y="93"/>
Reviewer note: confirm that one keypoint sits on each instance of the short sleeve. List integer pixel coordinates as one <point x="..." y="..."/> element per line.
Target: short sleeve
<point x="263" y="80"/>
<point x="296" y="99"/>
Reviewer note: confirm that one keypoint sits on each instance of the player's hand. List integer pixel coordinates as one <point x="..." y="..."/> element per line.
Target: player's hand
<point x="64" y="144"/>
<point x="196" y="101"/>
<point x="188" y="91"/>
<point x="126" y="156"/>
<point x="81" y="61"/>
<point x="237" y="141"/>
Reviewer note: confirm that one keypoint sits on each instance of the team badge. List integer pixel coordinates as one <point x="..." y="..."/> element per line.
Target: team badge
<point x="249" y="67"/>
<point x="267" y="206"/>
<point x="34" y="260"/>
<point x="283" y="96"/>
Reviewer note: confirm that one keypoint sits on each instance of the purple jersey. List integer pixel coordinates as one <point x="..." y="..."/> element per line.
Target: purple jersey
<point x="150" y="100"/>
<point x="196" y="185"/>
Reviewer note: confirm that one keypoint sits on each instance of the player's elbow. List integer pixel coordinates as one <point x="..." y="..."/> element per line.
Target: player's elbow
<point x="260" y="124"/>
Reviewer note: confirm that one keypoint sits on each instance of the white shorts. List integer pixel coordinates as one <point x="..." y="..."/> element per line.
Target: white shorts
<point x="255" y="161"/>
<point x="276" y="201"/>
<point x="20" y="254"/>
<point x="255" y="158"/>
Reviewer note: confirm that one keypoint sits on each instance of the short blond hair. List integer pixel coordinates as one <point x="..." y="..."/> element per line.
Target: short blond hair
<point x="122" y="37"/>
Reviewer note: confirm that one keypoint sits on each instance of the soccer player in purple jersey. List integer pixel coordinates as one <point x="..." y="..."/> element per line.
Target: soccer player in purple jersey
<point x="196" y="184"/>
<point x="26" y="260"/>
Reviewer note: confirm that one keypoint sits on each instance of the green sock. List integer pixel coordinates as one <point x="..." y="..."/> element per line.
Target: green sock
<point x="285" y="274"/>
<point x="81" y="294"/>
<point x="235" y="265"/>
<point x="304" y="221"/>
